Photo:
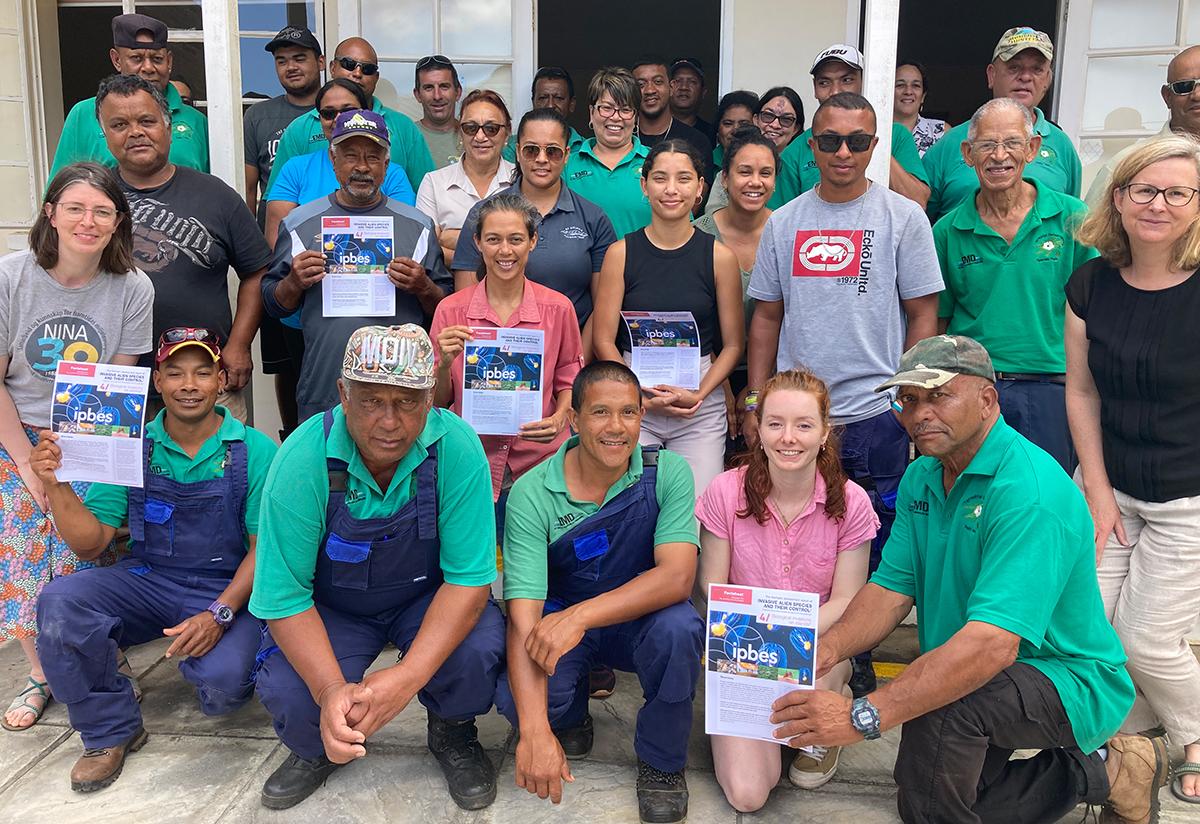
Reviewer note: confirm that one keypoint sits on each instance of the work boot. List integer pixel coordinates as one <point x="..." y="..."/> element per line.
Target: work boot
<point x="662" y="796"/>
<point x="576" y="742"/>
<point x="862" y="677"/>
<point x="602" y="682"/>
<point x="99" y="767"/>
<point x="1137" y="767"/>
<point x="470" y="776"/>
<point x="295" y="780"/>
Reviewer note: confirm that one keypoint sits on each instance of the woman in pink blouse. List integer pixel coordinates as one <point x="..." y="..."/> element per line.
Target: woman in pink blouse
<point x="791" y="520"/>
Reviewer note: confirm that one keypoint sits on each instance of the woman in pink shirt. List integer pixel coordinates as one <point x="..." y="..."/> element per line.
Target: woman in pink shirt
<point x="505" y="234"/>
<point x="791" y="520"/>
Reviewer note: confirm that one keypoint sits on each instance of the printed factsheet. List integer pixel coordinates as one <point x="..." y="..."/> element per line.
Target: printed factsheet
<point x="98" y="411"/>
<point x="666" y="348"/>
<point x="503" y="378"/>
<point x="762" y="644"/>
<point x="357" y="252"/>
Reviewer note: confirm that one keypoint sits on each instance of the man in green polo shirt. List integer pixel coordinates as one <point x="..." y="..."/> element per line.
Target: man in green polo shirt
<point x="839" y="68"/>
<point x="355" y="59"/>
<point x="378" y="527"/>
<point x="1021" y="69"/>
<point x="1006" y="255"/>
<point x="139" y="47"/>
<point x="993" y="545"/>
<point x="599" y="559"/>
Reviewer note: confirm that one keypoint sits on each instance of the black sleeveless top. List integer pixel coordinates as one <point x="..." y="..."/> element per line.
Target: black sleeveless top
<point x="671" y="280"/>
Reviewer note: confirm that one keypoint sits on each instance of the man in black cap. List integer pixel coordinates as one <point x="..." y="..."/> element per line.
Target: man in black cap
<point x="139" y="47"/>
<point x="687" y="94"/>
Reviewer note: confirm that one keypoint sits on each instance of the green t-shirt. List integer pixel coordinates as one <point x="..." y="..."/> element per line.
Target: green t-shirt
<point x="1011" y="545"/>
<point x="1009" y="297"/>
<point x="798" y="170"/>
<point x="444" y="147"/>
<point x="509" y="152"/>
<point x="297" y="491"/>
<point x="540" y="511"/>
<point x="110" y="503"/>
<point x="409" y="151"/>
<point x="951" y="180"/>
<point x="82" y="138"/>
<point x="617" y="191"/>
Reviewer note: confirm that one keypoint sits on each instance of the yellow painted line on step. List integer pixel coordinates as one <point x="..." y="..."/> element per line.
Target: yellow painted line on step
<point x="886" y="670"/>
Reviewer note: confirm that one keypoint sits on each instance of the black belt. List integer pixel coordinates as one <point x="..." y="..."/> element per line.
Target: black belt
<point x="1036" y="378"/>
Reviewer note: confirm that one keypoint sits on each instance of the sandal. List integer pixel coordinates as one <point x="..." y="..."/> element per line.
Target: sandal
<point x="126" y="669"/>
<point x="35" y="690"/>
<point x="1186" y="768"/>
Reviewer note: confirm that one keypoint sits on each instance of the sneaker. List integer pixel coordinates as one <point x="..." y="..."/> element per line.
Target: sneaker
<point x="470" y="776"/>
<point x="99" y="767"/>
<point x="295" y="780"/>
<point x="1141" y="767"/>
<point x="662" y="796"/>
<point x="812" y="770"/>
<point x="862" y="679"/>
<point x="602" y="682"/>
<point x="576" y="742"/>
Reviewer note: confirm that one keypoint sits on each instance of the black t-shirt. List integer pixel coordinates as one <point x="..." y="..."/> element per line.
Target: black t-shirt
<point x="682" y="131"/>
<point x="1144" y="355"/>
<point x="671" y="280"/>
<point x="262" y="126"/>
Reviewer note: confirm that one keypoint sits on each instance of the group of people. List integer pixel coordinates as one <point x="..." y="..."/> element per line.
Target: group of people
<point x="1032" y="353"/>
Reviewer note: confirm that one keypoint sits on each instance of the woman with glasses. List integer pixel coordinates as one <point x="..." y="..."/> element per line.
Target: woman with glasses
<point x="447" y="194"/>
<point x="912" y="84"/>
<point x="607" y="168"/>
<point x="780" y="116"/>
<point x="573" y="234"/>
<point x="1133" y="385"/>
<point x="735" y="110"/>
<point x="73" y="296"/>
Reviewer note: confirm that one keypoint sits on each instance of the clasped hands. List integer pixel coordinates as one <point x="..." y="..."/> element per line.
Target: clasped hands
<point x="353" y="712"/>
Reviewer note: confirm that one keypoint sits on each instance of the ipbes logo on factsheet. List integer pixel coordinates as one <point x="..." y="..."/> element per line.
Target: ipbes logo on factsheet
<point x="823" y="254"/>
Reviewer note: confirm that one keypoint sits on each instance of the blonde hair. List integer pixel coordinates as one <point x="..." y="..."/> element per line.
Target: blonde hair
<point x="1103" y="229"/>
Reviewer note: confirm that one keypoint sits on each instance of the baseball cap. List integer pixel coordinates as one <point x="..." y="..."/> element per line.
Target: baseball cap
<point x="1021" y="38"/>
<point x="392" y="355"/>
<point x="294" y="36"/>
<point x="125" y="28"/>
<point x="360" y="123"/>
<point x="936" y="361"/>
<point x="840" y="51"/>
<point x="686" y="63"/>
<point x="176" y="338"/>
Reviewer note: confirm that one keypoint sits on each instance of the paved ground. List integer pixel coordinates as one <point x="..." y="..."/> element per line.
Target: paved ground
<point x="205" y="770"/>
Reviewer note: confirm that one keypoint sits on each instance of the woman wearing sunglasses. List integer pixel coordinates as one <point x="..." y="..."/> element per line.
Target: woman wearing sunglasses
<point x="447" y="194"/>
<point x="575" y="232"/>
<point x="75" y="296"/>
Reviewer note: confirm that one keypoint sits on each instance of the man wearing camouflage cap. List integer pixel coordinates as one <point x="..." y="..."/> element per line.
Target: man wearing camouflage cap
<point x="993" y="545"/>
<point x="377" y="526"/>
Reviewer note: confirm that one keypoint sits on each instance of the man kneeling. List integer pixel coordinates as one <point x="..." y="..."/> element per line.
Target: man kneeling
<point x="993" y="543"/>
<point x="192" y="535"/>
<point x="599" y="558"/>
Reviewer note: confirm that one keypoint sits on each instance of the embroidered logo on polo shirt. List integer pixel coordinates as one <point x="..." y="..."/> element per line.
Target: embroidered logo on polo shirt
<point x="972" y="510"/>
<point x="969" y="260"/>
<point x="918" y="507"/>
<point x="1048" y="247"/>
<point x="353" y="496"/>
<point x="1046" y="153"/>
<point x="568" y="519"/>
<point x="582" y="173"/>
<point x="574" y="233"/>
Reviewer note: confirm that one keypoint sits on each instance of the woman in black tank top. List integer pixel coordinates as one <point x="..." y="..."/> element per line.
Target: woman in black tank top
<point x="671" y="267"/>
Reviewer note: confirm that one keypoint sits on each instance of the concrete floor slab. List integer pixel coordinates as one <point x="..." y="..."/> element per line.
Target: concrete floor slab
<point x="19" y="751"/>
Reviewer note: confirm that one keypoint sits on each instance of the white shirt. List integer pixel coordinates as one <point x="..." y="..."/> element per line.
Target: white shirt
<point x="446" y="195"/>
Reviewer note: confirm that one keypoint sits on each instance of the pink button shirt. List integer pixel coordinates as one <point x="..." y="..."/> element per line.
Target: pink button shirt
<point x="541" y="308"/>
<point x="798" y="557"/>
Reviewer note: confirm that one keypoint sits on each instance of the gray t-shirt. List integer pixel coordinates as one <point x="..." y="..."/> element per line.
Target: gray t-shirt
<point x="445" y="147"/>
<point x="841" y="270"/>
<point x="262" y="126"/>
<point x="43" y="322"/>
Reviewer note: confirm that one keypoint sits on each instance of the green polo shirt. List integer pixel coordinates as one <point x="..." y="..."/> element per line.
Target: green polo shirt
<point x="297" y="491"/>
<point x="110" y="503"/>
<point x="304" y="135"/>
<point x="951" y="180"/>
<point x="1011" y="545"/>
<point x="798" y="170"/>
<point x="1009" y="296"/>
<point x="82" y="138"/>
<point x="509" y="152"/>
<point x="617" y="191"/>
<point x="540" y="511"/>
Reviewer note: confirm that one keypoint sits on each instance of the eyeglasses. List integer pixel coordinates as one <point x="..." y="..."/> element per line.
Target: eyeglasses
<point x="470" y="128"/>
<point x="101" y="215"/>
<point x="606" y="110"/>
<point x="857" y="143"/>
<point x="1182" y="87"/>
<point x="532" y="151"/>
<point x="350" y="64"/>
<point x="1012" y="145"/>
<point x="329" y="112"/>
<point x="1144" y="193"/>
<point x="767" y="116"/>
<point x="434" y="60"/>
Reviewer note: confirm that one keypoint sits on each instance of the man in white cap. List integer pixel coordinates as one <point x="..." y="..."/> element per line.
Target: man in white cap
<point x="377" y="526"/>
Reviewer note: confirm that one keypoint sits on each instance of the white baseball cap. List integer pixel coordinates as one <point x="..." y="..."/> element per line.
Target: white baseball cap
<point x="840" y="51"/>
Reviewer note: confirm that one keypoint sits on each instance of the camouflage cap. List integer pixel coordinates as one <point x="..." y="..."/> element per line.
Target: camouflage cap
<point x="392" y="355"/>
<point x="1014" y="41"/>
<point x="936" y="361"/>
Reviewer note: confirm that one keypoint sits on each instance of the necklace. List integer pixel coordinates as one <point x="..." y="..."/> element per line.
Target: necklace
<point x="857" y="219"/>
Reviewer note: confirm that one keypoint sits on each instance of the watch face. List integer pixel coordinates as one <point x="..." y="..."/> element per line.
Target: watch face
<point x="224" y="615"/>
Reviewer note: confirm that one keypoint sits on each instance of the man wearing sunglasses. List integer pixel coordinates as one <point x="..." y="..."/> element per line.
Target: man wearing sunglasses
<point x="437" y="88"/>
<point x="355" y="59"/>
<point x="193" y="527"/>
<point x="1022" y="69"/>
<point x="140" y="48"/>
<point x="839" y="68"/>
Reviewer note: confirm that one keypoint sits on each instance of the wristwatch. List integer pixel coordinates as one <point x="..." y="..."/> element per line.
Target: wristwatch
<point x="221" y="613"/>
<point x="751" y="402"/>
<point x="865" y="718"/>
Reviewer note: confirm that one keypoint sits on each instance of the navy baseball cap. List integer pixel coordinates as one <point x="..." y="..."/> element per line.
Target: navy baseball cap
<point x="295" y="36"/>
<point x="125" y="29"/>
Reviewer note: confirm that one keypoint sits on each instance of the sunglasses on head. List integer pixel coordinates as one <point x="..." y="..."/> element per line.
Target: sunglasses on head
<point x="532" y="151"/>
<point x="1182" y="87"/>
<point x="350" y="64"/>
<point x="857" y="143"/>
<point x="470" y="128"/>
<point x="182" y="334"/>
<point x="434" y="60"/>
